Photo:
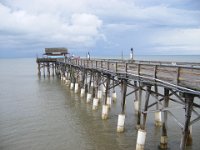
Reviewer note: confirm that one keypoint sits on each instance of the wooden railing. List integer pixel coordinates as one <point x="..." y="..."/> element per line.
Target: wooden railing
<point x="39" y="60"/>
<point x="180" y="74"/>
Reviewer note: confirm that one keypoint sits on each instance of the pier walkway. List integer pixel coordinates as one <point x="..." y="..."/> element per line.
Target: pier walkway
<point x="166" y="82"/>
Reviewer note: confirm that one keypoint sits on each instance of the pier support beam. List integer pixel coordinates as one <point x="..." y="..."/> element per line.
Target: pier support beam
<point x="77" y="83"/>
<point x="136" y="106"/>
<point x="90" y="81"/>
<point x="114" y="94"/>
<point x="51" y="68"/>
<point x="141" y="136"/>
<point x="121" y="117"/>
<point x="158" y="115"/>
<point x="95" y="104"/>
<point x="39" y="72"/>
<point x="189" y="139"/>
<point x="76" y="87"/>
<point x="105" y="106"/>
<point x="189" y="98"/>
<point x="89" y="90"/>
<point x="68" y="81"/>
<point x="164" y="137"/>
<point x="99" y="91"/>
<point x="72" y="78"/>
<point x="96" y="85"/>
<point x="107" y="91"/>
<point x="139" y="107"/>
<point x="93" y="85"/>
<point x="48" y="69"/>
<point x="146" y="106"/>
<point x="43" y="66"/>
<point x="86" y="83"/>
<point x="82" y="83"/>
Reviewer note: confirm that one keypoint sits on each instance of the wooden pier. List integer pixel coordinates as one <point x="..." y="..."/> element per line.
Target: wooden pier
<point x="49" y="63"/>
<point x="166" y="82"/>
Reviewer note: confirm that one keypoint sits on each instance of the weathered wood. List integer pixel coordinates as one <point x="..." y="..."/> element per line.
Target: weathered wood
<point x="56" y="50"/>
<point x="139" y="106"/>
<point x="39" y="71"/>
<point x="124" y="89"/>
<point x="179" y="78"/>
<point x="178" y="75"/>
<point x="166" y="73"/>
<point x="146" y="106"/>
<point x="163" y="142"/>
<point x="107" y="89"/>
<point x="147" y="70"/>
<point x="132" y="68"/>
<point x="112" y="66"/>
<point x="104" y="65"/>
<point x="190" y="77"/>
<point x="48" y="69"/>
<point x="188" y="111"/>
<point x="43" y="69"/>
<point x="121" y="67"/>
<point x="40" y="60"/>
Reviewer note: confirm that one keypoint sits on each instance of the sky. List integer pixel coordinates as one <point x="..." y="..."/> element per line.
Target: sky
<point x="101" y="27"/>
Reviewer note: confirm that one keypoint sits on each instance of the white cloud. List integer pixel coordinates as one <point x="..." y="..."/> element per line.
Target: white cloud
<point x="186" y="41"/>
<point x="128" y="10"/>
<point x="81" y="28"/>
<point x="95" y="23"/>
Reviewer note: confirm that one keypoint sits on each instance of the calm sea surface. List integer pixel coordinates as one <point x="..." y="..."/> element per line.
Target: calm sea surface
<point x="43" y="114"/>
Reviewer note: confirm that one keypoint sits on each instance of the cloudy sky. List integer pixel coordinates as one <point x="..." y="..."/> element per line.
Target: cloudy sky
<point x="103" y="27"/>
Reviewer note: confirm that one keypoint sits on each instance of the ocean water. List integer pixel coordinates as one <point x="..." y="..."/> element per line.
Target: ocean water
<point x="43" y="114"/>
<point x="172" y="58"/>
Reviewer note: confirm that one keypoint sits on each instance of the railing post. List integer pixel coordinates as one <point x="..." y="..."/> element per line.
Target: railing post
<point x="138" y="69"/>
<point x="178" y="75"/>
<point x="126" y="67"/>
<point x="116" y="66"/>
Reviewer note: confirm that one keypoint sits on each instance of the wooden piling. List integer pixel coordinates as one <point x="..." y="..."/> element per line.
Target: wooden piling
<point x="136" y="98"/>
<point x="188" y="111"/>
<point x="82" y="83"/>
<point x="124" y="89"/>
<point x="164" y="138"/>
<point x="107" y="92"/>
<point x="139" y="107"/>
<point x="39" y="72"/>
<point x="148" y="91"/>
<point x="44" y="69"/>
<point x="158" y="119"/>
<point x="97" y="80"/>
<point x="48" y="69"/>
<point x="94" y="92"/>
<point x="86" y="84"/>
<point x="53" y="69"/>
<point x="90" y="81"/>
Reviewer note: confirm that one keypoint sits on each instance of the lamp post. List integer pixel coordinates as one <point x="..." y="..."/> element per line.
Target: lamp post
<point x="131" y="54"/>
<point x="122" y="55"/>
<point x="88" y="56"/>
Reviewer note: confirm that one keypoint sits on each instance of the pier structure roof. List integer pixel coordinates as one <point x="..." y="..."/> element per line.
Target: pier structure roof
<point x="56" y="51"/>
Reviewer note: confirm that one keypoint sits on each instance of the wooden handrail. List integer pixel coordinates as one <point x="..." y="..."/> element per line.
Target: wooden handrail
<point x="185" y="75"/>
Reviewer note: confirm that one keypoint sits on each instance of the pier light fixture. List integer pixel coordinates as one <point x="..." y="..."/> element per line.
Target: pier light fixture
<point x="131" y="54"/>
<point x="88" y="55"/>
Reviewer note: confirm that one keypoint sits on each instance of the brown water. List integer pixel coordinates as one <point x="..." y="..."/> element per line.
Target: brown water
<point x="42" y="113"/>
